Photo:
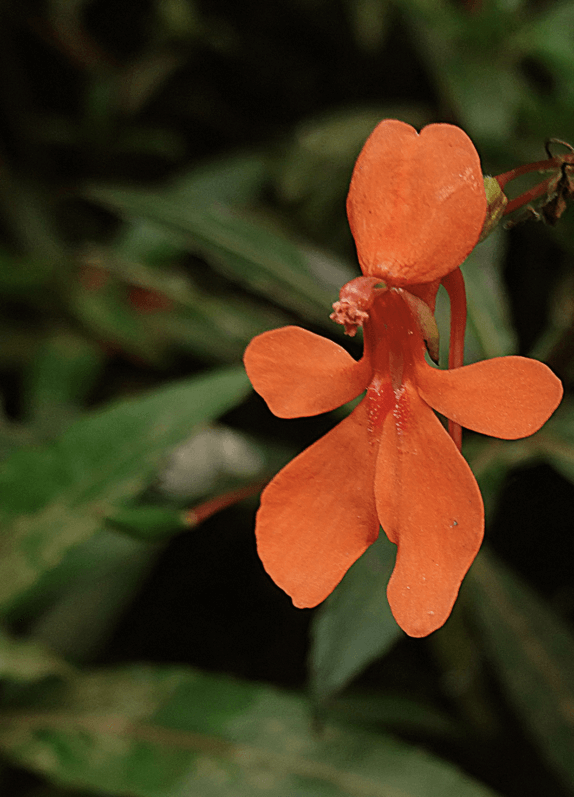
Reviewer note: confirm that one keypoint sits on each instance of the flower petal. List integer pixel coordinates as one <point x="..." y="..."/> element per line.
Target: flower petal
<point x="299" y="373"/>
<point x="416" y="203"/>
<point x="429" y="504"/>
<point x="317" y="516"/>
<point x="506" y="397"/>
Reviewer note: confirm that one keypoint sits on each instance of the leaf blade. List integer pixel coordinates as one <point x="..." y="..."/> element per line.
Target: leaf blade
<point x="55" y="498"/>
<point x="355" y="625"/>
<point x="533" y="651"/>
<point x="151" y="731"/>
<point x="244" y="250"/>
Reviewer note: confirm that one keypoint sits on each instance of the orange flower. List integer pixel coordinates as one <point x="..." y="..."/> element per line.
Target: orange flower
<point x="391" y="462"/>
<point x="416" y="203"/>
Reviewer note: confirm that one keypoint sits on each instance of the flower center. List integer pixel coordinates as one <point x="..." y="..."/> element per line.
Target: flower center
<point x="392" y="342"/>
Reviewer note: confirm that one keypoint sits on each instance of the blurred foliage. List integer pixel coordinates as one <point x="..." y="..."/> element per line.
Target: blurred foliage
<point x="172" y="182"/>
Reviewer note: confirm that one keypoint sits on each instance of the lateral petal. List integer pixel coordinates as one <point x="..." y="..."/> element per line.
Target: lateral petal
<point x="317" y="516"/>
<point x="416" y="203"/>
<point x="299" y="373"/>
<point x="507" y="397"/>
<point x="429" y="504"/>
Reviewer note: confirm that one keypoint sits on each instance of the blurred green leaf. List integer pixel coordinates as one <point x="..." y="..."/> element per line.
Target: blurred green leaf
<point x="244" y="250"/>
<point x="180" y="17"/>
<point x="101" y="574"/>
<point x="100" y="106"/>
<point x="471" y="62"/>
<point x="488" y="310"/>
<point x="488" y="92"/>
<point x="55" y="498"/>
<point x="25" y="203"/>
<point x="370" y="22"/>
<point x="144" y="78"/>
<point x="229" y="180"/>
<point x="147" y="140"/>
<point x="148" y="521"/>
<point x="26" y="661"/>
<point x="74" y="607"/>
<point x="142" y="241"/>
<point x="549" y="36"/>
<point x="108" y="314"/>
<point x="371" y="709"/>
<point x="533" y="650"/>
<point x="234" y="180"/>
<point x="489" y="331"/>
<point x="172" y="732"/>
<point x="556" y="440"/>
<point x="217" y="327"/>
<point x="20" y="275"/>
<point x="60" y="376"/>
<point x="13" y="436"/>
<point x="151" y="311"/>
<point x="492" y="459"/>
<point x="355" y="625"/>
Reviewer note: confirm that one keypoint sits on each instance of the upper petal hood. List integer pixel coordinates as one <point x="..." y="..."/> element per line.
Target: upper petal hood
<point x="299" y="373"/>
<point x="416" y="203"/>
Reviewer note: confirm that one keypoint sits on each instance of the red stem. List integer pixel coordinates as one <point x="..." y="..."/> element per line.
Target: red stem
<point x="454" y="284"/>
<point x="208" y="508"/>
<point x="532" y="193"/>
<point x="550" y="164"/>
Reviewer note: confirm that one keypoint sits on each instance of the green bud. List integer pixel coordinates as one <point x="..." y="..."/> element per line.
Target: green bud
<point x="496" y="203"/>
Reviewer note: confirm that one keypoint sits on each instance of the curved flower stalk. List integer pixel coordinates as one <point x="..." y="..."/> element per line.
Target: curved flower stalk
<point x="551" y="196"/>
<point x="416" y="207"/>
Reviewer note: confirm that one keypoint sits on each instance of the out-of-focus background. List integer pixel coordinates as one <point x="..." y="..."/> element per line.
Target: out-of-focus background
<point x="172" y="182"/>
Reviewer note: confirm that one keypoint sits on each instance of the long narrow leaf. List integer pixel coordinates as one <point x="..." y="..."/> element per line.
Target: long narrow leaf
<point x="171" y="732"/>
<point x="355" y="625"/>
<point x="244" y="250"/>
<point x="55" y="498"/>
<point x="534" y="653"/>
